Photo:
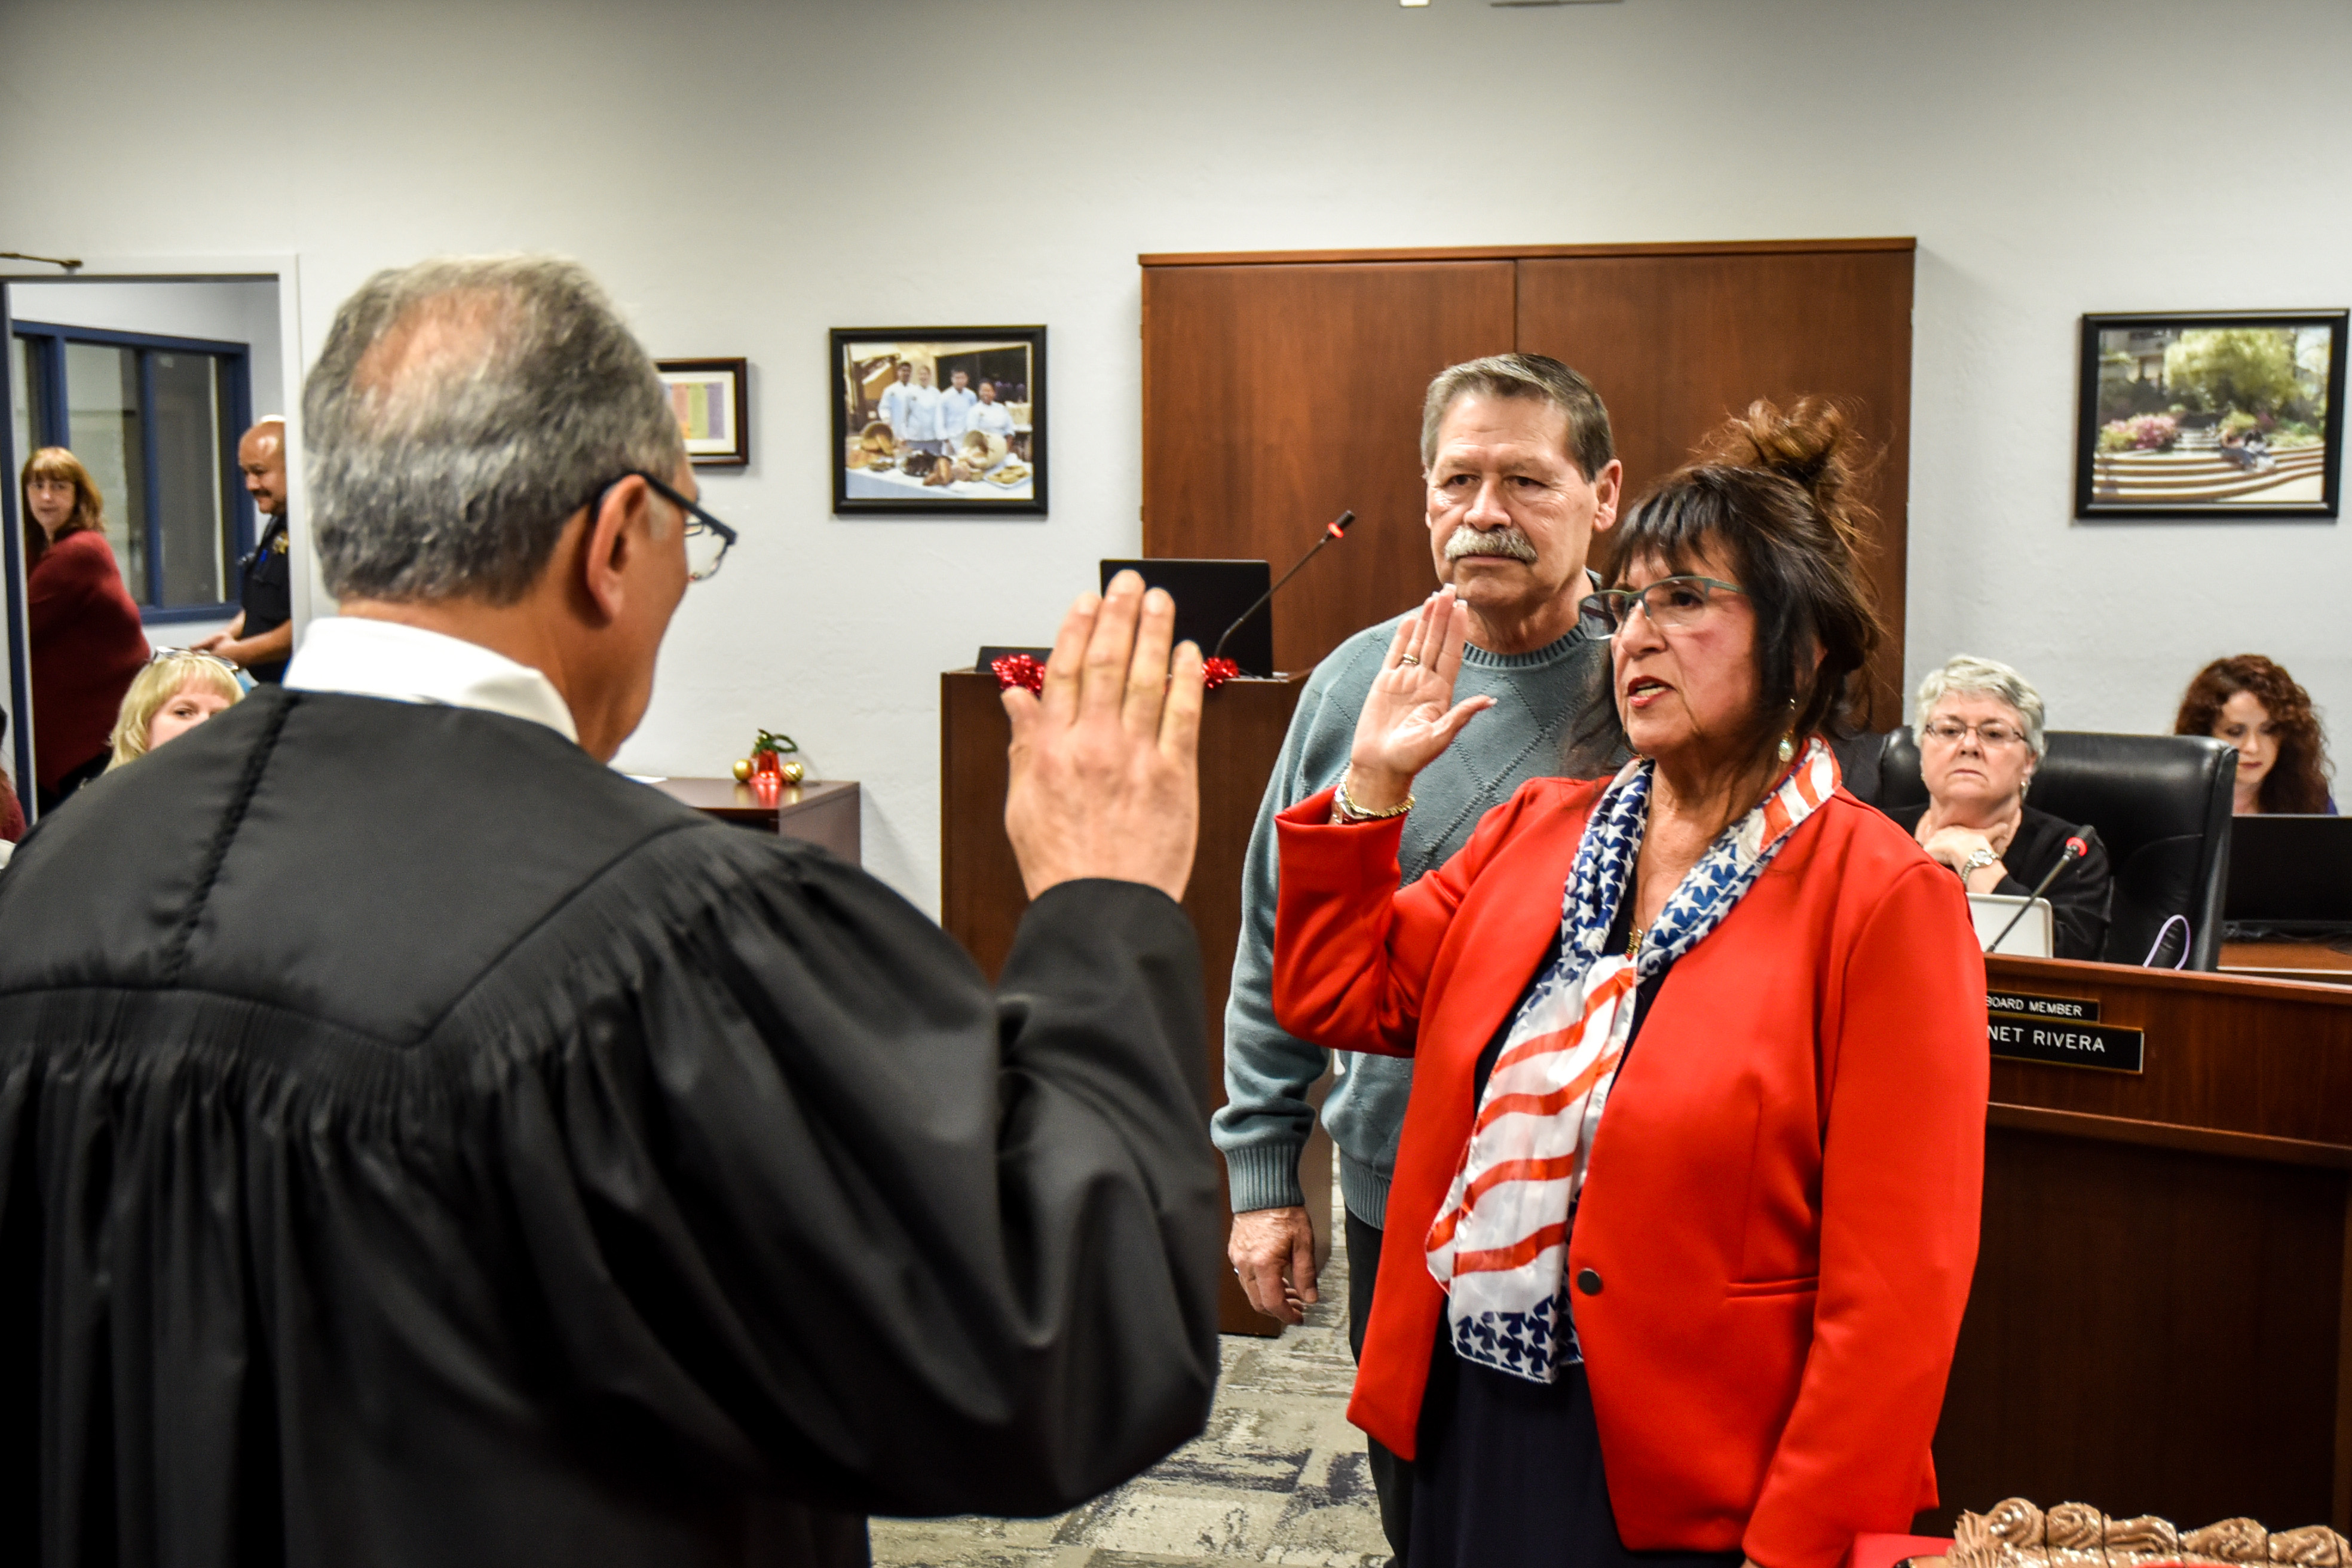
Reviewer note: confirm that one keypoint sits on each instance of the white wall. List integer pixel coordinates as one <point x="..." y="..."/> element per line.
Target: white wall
<point x="225" y="312"/>
<point x="746" y="174"/>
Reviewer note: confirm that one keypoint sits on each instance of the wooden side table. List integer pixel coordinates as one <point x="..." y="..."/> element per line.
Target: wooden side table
<point x="823" y="813"/>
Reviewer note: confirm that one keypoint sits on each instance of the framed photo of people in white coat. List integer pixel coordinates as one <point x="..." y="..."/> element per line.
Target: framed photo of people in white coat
<point x="944" y="420"/>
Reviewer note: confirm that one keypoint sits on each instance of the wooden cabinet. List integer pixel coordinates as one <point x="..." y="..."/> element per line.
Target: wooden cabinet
<point x="1279" y="388"/>
<point x="1276" y="397"/>
<point x="1676" y="342"/>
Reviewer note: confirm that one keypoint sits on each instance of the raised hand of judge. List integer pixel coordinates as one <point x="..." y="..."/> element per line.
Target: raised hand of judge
<point x="1105" y="774"/>
<point x="1410" y="715"/>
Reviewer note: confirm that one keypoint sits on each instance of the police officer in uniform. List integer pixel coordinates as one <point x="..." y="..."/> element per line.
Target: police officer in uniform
<point x="261" y="637"/>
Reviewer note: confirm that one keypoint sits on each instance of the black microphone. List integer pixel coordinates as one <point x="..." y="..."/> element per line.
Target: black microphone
<point x="1333" y="531"/>
<point x="2075" y="850"/>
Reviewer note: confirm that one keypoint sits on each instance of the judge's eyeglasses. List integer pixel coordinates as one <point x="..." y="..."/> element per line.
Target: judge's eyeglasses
<point x="707" y="539"/>
<point x="1671" y="603"/>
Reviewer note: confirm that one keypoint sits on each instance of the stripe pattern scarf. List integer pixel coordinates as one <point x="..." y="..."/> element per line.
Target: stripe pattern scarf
<point x="1499" y="1245"/>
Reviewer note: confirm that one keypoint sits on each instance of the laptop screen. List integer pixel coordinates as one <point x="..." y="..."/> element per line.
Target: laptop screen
<point x="2291" y="873"/>
<point x="2031" y="937"/>
<point x="1210" y="596"/>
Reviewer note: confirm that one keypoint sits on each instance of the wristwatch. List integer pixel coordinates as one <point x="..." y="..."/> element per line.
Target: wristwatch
<point x="1978" y="862"/>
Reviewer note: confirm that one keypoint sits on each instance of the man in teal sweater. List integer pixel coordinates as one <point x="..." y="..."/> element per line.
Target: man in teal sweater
<point x="1521" y="474"/>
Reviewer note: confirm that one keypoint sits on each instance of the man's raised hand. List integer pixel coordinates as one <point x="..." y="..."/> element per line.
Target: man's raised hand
<point x="1410" y="714"/>
<point x="1105" y="771"/>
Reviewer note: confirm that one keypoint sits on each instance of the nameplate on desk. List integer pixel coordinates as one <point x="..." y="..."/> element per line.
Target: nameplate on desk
<point x="2057" y="1042"/>
<point x="2081" y="1009"/>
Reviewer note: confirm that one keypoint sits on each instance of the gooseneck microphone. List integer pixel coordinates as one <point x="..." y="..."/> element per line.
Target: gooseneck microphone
<point x="2075" y="850"/>
<point x="1333" y="531"/>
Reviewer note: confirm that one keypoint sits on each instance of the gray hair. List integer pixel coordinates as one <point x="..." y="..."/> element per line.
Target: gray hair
<point x="1531" y="376"/>
<point x="1985" y="677"/>
<point x="462" y="410"/>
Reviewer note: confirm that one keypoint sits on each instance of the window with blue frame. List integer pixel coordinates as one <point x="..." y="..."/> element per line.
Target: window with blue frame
<point x="155" y="420"/>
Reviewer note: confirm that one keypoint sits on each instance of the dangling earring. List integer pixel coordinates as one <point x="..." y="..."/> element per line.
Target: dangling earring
<point x="1789" y="736"/>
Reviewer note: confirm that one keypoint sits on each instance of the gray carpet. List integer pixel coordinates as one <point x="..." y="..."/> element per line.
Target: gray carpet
<point x="1278" y="1477"/>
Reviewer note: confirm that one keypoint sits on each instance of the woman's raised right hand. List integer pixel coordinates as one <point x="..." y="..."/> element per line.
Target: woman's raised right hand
<point x="1410" y="715"/>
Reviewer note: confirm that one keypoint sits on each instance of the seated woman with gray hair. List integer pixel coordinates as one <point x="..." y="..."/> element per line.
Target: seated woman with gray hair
<point x="1979" y="727"/>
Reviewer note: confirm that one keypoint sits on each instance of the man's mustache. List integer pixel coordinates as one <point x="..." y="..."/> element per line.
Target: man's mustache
<point x="1505" y="540"/>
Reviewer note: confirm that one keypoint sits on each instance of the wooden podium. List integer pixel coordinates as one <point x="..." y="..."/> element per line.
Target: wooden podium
<point x="982" y="901"/>
<point x="2161" y="1320"/>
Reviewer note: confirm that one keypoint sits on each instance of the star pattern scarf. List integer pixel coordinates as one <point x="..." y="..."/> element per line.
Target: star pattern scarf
<point x="1499" y="1247"/>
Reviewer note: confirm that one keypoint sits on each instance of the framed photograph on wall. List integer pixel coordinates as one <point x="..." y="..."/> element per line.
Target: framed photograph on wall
<point x="2210" y="417"/>
<point x="948" y="420"/>
<point x="712" y="400"/>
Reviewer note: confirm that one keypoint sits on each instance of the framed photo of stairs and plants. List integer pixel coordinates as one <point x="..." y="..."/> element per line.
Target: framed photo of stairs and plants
<point x="2211" y="417"/>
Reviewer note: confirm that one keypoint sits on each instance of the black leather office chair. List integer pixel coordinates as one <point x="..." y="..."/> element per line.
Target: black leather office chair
<point x="2161" y="804"/>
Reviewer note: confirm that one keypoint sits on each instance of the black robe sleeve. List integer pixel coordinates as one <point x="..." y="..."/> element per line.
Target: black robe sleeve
<point x="819" y="1201"/>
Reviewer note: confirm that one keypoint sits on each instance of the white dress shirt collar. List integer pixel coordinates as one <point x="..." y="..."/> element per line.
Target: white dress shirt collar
<point x="361" y="657"/>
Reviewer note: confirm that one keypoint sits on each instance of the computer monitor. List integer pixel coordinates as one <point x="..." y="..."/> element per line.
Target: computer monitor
<point x="2290" y="873"/>
<point x="1210" y="596"/>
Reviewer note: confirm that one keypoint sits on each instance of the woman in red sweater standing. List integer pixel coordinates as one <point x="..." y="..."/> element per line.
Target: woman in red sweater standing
<point x="87" y="643"/>
<point x="1717" y="1323"/>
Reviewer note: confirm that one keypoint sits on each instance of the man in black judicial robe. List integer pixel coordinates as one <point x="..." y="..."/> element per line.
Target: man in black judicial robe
<point x="420" y="1144"/>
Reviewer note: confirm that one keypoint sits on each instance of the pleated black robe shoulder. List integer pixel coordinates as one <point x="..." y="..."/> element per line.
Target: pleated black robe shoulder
<point x="421" y="1145"/>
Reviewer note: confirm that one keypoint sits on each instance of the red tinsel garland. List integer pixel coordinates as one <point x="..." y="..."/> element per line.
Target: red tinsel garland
<point x="1021" y="669"/>
<point x="1018" y="670"/>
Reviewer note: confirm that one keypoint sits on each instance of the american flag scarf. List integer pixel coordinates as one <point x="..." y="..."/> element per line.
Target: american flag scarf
<point x="1499" y="1248"/>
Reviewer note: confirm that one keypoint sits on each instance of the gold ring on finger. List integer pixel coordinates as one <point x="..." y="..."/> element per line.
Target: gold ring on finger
<point x="1409" y="659"/>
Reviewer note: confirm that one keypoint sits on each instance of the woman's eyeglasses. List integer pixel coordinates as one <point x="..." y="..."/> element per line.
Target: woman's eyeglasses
<point x="1671" y="604"/>
<point x="1992" y="734"/>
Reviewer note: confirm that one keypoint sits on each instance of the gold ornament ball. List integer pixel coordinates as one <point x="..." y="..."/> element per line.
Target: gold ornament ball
<point x="742" y="769"/>
<point x="793" y="771"/>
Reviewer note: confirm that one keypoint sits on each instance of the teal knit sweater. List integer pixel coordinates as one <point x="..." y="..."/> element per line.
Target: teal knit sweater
<point x="1552" y="718"/>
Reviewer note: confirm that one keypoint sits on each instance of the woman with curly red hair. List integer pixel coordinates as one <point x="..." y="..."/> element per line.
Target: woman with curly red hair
<point x="2257" y="707"/>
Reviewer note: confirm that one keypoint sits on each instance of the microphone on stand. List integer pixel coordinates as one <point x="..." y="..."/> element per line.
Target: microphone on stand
<point x="2075" y="850"/>
<point x="1333" y="531"/>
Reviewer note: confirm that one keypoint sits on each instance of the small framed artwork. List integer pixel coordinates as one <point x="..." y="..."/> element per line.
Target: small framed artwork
<point x="2211" y="417"/>
<point x="711" y="397"/>
<point x="943" y="420"/>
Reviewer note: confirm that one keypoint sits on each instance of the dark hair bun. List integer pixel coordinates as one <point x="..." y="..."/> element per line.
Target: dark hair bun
<point x="1812" y="445"/>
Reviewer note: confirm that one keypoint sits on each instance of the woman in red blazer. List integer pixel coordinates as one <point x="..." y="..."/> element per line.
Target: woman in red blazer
<point x="83" y="629"/>
<point x="1717" y="1323"/>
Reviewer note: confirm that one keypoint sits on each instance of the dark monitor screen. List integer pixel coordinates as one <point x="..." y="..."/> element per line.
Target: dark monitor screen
<point x="2293" y="873"/>
<point x="1210" y="596"/>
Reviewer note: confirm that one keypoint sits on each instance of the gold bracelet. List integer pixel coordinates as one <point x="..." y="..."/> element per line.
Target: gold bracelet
<point x="1344" y="810"/>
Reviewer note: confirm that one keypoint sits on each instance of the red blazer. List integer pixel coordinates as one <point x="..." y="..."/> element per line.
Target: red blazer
<point x="87" y="646"/>
<point x="1783" y="1198"/>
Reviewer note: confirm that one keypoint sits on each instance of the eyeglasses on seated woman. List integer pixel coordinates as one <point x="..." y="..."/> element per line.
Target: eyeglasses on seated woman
<point x="1979" y="729"/>
<point x="2256" y="706"/>
<point x="1715" y="1322"/>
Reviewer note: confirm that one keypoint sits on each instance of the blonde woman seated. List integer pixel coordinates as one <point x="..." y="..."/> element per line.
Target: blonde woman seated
<point x="1979" y="727"/>
<point x="179" y="689"/>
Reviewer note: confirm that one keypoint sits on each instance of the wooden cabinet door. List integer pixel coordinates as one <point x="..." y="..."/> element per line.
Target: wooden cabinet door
<point x="1277" y="396"/>
<point x="1676" y="342"/>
